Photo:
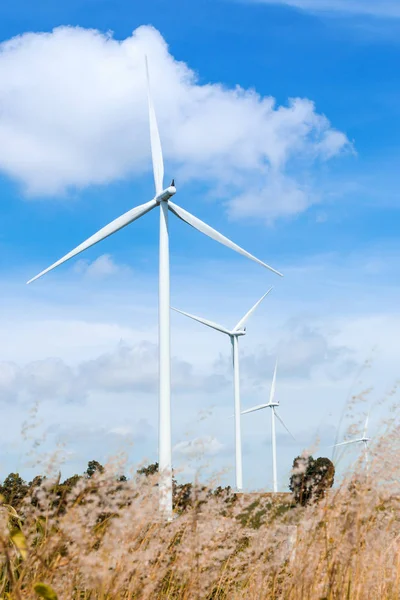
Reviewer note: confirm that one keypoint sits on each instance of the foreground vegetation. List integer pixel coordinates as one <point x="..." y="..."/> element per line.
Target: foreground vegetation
<point x="99" y="538"/>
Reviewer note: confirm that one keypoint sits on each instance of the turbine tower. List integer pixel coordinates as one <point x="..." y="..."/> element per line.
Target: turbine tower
<point x="238" y="331"/>
<point x="162" y="199"/>
<point x="272" y="404"/>
<point x="362" y="440"/>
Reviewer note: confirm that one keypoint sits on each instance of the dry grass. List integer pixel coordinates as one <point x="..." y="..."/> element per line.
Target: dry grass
<point x="107" y="542"/>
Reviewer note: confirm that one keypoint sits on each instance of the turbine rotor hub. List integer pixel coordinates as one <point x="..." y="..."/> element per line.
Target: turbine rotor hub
<point x="166" y="194"/>
<point x="239" y="333"/>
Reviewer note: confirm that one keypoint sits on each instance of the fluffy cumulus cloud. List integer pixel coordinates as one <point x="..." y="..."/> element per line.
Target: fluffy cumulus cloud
<point x="277" y="197"/>
<point x="383" y="8"/>
<point x="73" y="114"/>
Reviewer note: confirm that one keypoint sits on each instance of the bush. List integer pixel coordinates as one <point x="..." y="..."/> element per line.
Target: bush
<point x="311" y="478"/>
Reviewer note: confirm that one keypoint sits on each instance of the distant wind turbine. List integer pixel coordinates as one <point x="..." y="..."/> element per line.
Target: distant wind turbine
<point x="272" y="404"/>
<point x="161" y="199"/>
<point x="362" y="440"/>
<point x="238" y="331"/>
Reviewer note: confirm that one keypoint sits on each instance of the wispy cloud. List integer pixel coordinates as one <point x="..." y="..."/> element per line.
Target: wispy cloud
<point x="103" y="266"/>
<point x="378" y="8"/>
<point x="199" y="447"/>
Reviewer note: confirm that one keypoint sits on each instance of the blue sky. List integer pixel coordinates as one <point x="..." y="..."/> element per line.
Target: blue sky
<point x="280" y="122"/>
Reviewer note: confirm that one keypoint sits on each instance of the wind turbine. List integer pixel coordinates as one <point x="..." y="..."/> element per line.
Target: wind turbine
<point x="238" y="331"/>
<point x="272" y="404"/>
<point x="362" y="440"/>
<point x="162" y="200"/>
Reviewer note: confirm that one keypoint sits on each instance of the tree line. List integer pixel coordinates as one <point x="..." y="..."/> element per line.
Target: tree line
<point x="309" y="480"/>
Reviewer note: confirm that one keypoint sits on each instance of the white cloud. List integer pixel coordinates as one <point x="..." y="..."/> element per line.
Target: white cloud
<point x="123" y="430"/>
<point x="382" y="8"/>
<point x="50" y="378"/>
<point x="125" y="369"/>
<point x="136" y="367"/>
<point x="8" y="375"/>
<point x="73" y="114"/>
<point x="103" y="266"/>
<point x="280" y="196"/>
<point x="304" y="351"/>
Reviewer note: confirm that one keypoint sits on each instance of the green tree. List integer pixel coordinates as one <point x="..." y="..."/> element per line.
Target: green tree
<point x="93" y="467"/>
<point x="182" y="496"/>
<point x="36" y="481"/>
<point x="14" y="489"/>
<point x="64" y="489"/>
<point x="322" y="475"/>
<point x="149" y="470"/>
<point x="298" y="479"/>
<point x="311" y="478"/>
<point x="71" y="482"/>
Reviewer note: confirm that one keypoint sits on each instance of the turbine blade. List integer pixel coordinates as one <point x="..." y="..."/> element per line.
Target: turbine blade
<point x="116" y="225"/>
<point x="366" y="425"/>
<point x="213" y="234"/>
<point x="248" y="314"/>
<point x="273" y="384"/>
<point x="204" y="321"/>
<point x="282" y="423"/>
<point x="254" y="409"/>
<point x="156" y="150"/>
<point x="346" y="443"/>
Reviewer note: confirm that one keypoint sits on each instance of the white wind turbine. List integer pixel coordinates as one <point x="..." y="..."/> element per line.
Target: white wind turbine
<point x="238" y="331"/>
<point x="161" y="199"/>
<point x="362" y="440"/>
<point x="272" y="404"/>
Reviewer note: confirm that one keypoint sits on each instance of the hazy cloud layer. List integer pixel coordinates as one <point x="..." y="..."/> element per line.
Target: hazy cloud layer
<point x="125" y="369"/>
<point x="380" y="8"/>
<point x="301" y="350"/>
<point x="198" y="447"/>
<point x="101" y="395"/>
<point x="74" y="113"/>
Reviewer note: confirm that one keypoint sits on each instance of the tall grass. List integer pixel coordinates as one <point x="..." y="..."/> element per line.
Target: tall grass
<point x="105" y="541"/>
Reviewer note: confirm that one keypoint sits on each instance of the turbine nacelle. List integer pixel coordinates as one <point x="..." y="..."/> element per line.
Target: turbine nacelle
<point x="239" y="332"/>
<point x="166" y="194"/>
<point x="362" y="440"/>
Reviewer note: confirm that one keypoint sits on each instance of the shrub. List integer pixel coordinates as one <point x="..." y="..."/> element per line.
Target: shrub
<point x="311" y="478"/>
